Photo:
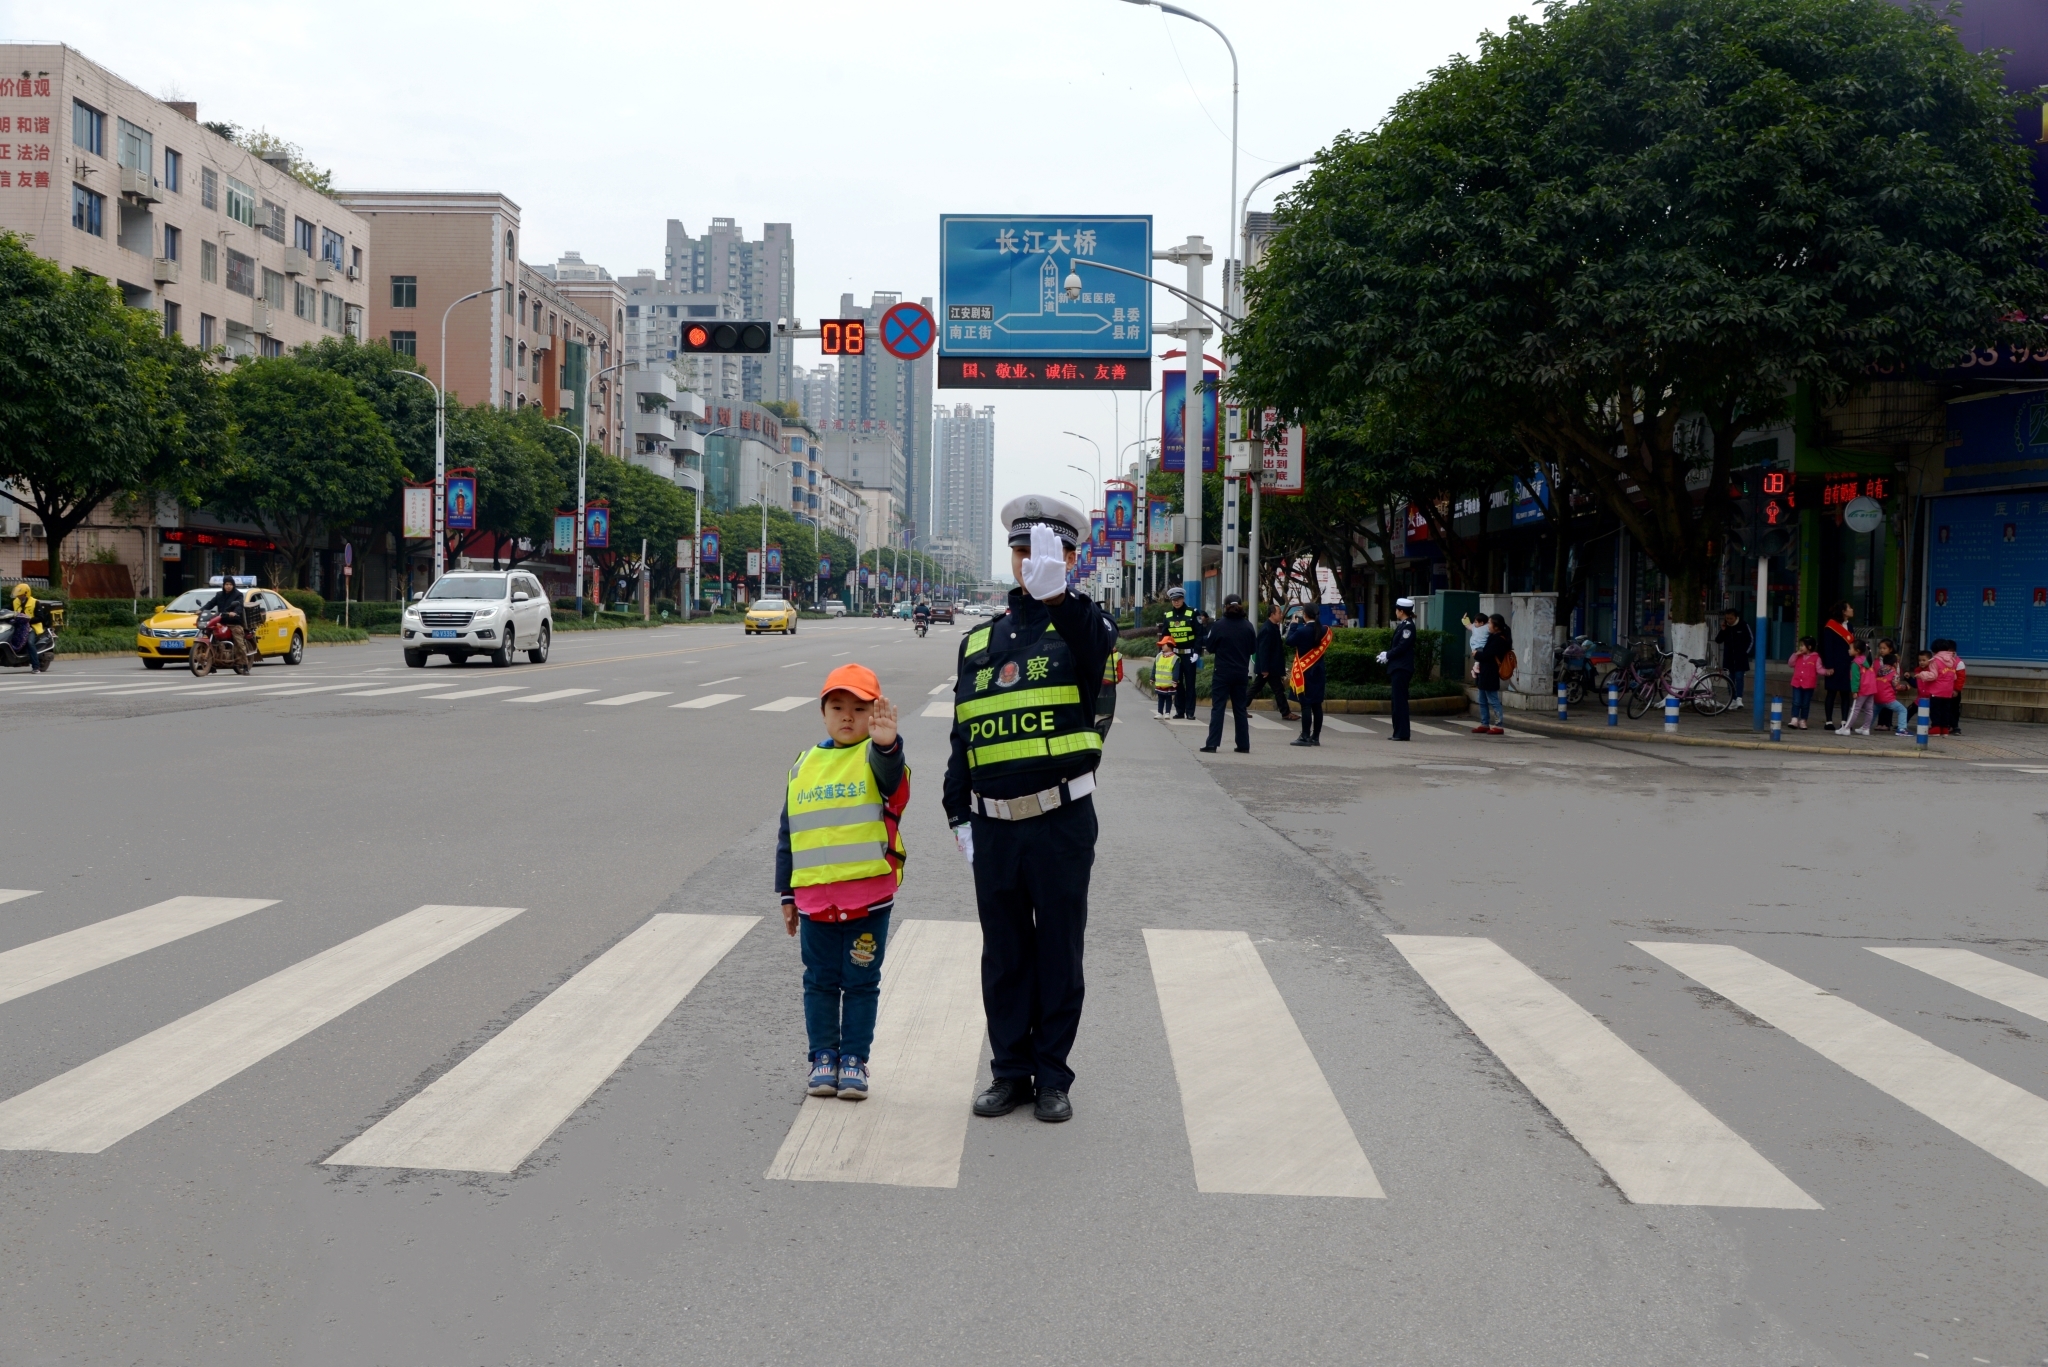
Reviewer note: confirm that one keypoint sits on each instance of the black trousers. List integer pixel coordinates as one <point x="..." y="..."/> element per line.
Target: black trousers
<point x="1400" y="678"/>
<point x="1312" y="713"/>
<point x="1237" y="692"/>
<point x="1275" y="679"/>
<point x="1847" y="698"/>
<point x="1031" y="890"/>
<point x="1185" y="670"/>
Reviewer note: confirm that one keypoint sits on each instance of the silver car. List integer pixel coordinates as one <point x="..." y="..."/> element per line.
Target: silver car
<point x="479" y="612"/>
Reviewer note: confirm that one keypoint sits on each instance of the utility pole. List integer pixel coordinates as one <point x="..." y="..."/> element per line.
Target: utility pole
<point x="1193" y="331"/>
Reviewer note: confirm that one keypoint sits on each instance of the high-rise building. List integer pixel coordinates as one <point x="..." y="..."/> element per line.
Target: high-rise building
<point x="817" y="393"/>
<point x="963" y="488"/>
<point x="877" y="392"/>
<point x="655" y="314"/>
<point x="760" y="279"/>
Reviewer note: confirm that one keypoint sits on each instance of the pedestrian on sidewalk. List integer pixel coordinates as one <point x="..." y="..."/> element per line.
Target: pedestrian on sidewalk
<point x="1310" y="641"/>
<point x="1863" y="684"/>
<point x="1231" y="643"/>
<point x="1836" y="642"/>
<point x="1019" y="796"/>
<point x="1889" y="707"/>
<point x="1399" y="658"/>
<point x="1487" y="673"/>
<point x="1164" y="667"/>
<point x="1955" y="707"/>
<point x="1271" y="663"/>
<point x="1180" y="624"/>
<point x="838" y="862"/>
<point x="1736" y="641"/>
<point x="1478" y="629"/>
<point x="1806" y="676"/>
<point x="1937" y="679"/>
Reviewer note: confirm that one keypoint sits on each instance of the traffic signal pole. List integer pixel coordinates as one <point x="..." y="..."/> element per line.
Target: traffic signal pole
<point x="1194" y="331"/>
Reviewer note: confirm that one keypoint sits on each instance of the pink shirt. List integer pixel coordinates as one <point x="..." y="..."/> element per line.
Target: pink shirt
<point x="1938" y="680"/>
<point x="1866" y="687"/>
<point x="1806" y="669"/>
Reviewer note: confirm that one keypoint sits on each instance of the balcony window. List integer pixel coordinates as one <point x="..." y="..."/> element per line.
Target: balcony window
<point x="209" y="188"/>
<point x="174" y="243"/>
<point x="241" y="203"/>
<point x="273" y="289"/>
<point x="333" y="312"/>
<point x="331" y="248"/>
<point x="174" y="172"/>
<point x="209" y="262"/>
<point x="241" y="273"/>
<point x="302" y="235"/>
<point x="137" y="148"/>
<point x="406" y="343"/>
<point x="170" y="319"/>
<point x="88" y="211"/>
<point x="405" y="291"/>
<point x="205" y="332"/>
<point x="271" y="222"/>
<point x="88" y="129"/>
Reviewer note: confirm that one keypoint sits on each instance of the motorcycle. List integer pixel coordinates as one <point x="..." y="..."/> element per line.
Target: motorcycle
<point x="1579" y="668"/>
<point x="36" y="649"/>
<point x="217" y="646"/>
<point x="922" y="624"/>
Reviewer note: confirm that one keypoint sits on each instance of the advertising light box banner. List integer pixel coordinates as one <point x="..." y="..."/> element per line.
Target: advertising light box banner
<point x="1002" y="289"/>
<point x="1173" y="444"/>
<point x="597" y="529"/>
<point x="1987" y="576"/>
<point x="1159" y="526"/>
<point x="775" y="560"/>
<point x="461" y="503"/>
<point x="565" y="532"/>
<point x="418" y="521"/>
<point x="709" y="550"/>
<point x="1120" y="511"/>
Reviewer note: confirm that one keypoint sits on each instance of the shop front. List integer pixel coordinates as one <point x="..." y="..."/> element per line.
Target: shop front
<point x="1986" y="580"/>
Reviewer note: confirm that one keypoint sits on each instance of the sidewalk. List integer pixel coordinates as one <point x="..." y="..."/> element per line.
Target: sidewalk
<point x="1981" y="740"/>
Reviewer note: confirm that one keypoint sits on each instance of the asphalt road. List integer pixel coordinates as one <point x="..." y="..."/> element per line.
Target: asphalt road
<point x="1622" y="990"/>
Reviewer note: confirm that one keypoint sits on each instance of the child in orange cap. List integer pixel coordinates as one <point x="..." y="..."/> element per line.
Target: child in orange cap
<point x="838" y="862"/>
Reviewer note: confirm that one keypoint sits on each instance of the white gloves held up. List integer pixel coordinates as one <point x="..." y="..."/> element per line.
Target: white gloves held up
<point x="963" y="836"/>
<point x="1382" y="657"/>
<point x="1045" y="565"/>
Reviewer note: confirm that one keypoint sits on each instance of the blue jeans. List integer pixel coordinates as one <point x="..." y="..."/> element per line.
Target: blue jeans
<point x="840" y="990"/>
<point x="1898" y="716"/>
<point x="1735" y="681"/>
<point x="1802" y="703"/>
<point x="1489" y="706"/>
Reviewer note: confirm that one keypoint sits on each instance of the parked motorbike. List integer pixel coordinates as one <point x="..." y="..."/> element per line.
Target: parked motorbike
<point x="217" y="646"/>
<point x="1580" y="667"/>
<point x="37" y="647"/>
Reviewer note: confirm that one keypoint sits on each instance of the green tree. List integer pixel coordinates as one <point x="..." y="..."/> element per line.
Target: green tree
<point x="519" y="481"/>
<point x="94" y="399"/>
<point x="1635" y="226"/>
<point x="312" y="454"/>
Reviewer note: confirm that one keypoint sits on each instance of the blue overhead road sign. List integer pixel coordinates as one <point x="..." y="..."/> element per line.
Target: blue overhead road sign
<point x="1003" y="285"/>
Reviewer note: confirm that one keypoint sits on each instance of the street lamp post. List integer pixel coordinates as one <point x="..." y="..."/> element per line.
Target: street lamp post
<point x="1234" y="301"/>
<point x="433" y="520"/>
<point x="441" y="437"/>
<point x="697" y="520"/>
<point x="582" y="486"/>
<point x="762" y="499"/>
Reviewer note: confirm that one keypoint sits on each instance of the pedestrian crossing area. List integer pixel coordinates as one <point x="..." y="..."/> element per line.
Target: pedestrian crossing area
<point x="1258" y="1111"/>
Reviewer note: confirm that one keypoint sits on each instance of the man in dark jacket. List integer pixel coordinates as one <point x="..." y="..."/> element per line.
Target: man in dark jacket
<point x="1836" y="645"/>
<point x="1399" y="658"/>
<point x="1736" y="640"/>
<point x="233" y="608"/>
<point x="1269" y="662"/>
<point x="1231" y="643"/>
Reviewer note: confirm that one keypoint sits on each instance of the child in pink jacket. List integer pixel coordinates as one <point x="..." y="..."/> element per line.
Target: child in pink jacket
<point x="1863" y="682"/>
<point x="1938" y="685"/>
<point x="1806" y="677"/>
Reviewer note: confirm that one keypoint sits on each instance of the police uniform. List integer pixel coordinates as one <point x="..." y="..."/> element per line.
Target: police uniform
<point x="1400" y="661"/>
<point x="1024" y="749"/>
<point x="1180" y="624"/>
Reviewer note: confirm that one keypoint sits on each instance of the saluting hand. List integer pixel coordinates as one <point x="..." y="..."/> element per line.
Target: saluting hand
<point x="882" y="722"/>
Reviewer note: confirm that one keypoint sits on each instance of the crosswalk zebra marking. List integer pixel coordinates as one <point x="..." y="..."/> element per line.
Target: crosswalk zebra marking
<point x="16" y="894"/>
<point x="626" y="699"/>
<point x="493" y="1109"/>
<point x="708" y="700"/>
<point x="554" y="696"/>
<point x="43" y="963"/>
<point x="937" y="709"/>
<point x="401" y="688"/>
<point x="102" y="1102"/>
<point x="1661" y="1147"/>
<point x="928" y="1034"/>
<point x="946" y="687"/>
<point x="1333" y="724"/>
<point x="1990" y="978"/>
<point x="782" y="704"/>
<point x="1260" y="1115"/>
<point x="478" y="692"/>
<point x="2005" y="1121"/>
<point x="302" y="692"/>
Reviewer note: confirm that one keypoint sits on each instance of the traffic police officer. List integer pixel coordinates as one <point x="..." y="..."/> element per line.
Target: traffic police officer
<point x="1025" y="746"/>
<point x="1399" y="658"/>
<point x="1180" y="624"/>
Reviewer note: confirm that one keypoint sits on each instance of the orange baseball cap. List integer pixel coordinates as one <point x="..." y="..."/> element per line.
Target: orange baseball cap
<point x="858" y="680"/>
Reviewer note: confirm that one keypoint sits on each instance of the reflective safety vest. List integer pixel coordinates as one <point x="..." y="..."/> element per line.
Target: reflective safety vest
<point x="1018" y="708"/>
<point x="1162" y="671"/>
<point x="1180" y="624"/>
<point x="838" y="828"/>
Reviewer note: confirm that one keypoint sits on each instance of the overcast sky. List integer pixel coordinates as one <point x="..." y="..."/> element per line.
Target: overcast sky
<point x="858" y="123"/>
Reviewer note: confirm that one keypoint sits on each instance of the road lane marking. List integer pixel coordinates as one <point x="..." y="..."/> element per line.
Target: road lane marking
<point x="100" y="1103"/>
<point x="401" y="688"/>
<point x="551" y="697"/>
<point x="1333" y="724"/>
<point x="43" y="963"/>
<point x="301" y="692"/>
<point x="2003" y="1120"/>
<point x="1429" y="730"/>
<point x="69" y="688"/>
<point x="493" y="1109"/>
<point x="625" y="698"/>
<point x="928" y="1037"/>
<point x="1261" y="1118"/>
<point x="946" y="687"/>
<point x="708" y="700"/>
<point x="16" y="894"/>
<point x="1979" y="973"/>
<point x="1259" y="723"/>
<point x="837" y="653"/>
<point x="781" y="704"/>
<point x="793" y="664"/>
<point x="710" y="683"/>
<point x="479" y="692"/>
<point x="937" y="709"/>
<point x="1661" y="1147"/>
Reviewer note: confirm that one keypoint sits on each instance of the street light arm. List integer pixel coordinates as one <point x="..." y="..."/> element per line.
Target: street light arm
<point x="1216" y="314"/>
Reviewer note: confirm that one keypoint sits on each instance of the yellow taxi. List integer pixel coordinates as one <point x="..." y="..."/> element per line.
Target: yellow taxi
<point x="771" y="614"/>
<point x="167" y="637"/>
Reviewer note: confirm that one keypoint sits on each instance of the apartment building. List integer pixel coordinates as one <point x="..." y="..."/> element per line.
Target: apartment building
<point x="816" y="392"/>
<point x="963" y="485"/>
<point x="101" y="176"/>
<point x="759" y="278"/>
<point x="654" y="314"/>
<point x="879" y="393"/>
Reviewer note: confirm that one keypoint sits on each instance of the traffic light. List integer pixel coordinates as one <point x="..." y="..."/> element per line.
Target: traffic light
<point x="744" y="337"/>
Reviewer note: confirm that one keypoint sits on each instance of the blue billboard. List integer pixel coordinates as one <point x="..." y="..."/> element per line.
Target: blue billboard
<point x="1987" y="575"/>
<point x="1003" y="277"/>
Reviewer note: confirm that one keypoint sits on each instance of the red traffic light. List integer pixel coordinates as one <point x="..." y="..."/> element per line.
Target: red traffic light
<point x="697" y="337"/>
<point x="749" y="338"/>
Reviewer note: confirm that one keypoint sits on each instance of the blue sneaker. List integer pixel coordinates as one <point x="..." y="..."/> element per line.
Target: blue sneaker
<point x="824" y="1073"/>
<point x="853" y="1078"/>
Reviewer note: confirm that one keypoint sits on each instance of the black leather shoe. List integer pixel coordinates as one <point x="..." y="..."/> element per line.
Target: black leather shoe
<point x="1003" y="1096"/>
<point x="1302" y="741"/>
<point x="1242" y="750"/>
<point x="1053" y="1106"/>
<point x="1208" y="749"/>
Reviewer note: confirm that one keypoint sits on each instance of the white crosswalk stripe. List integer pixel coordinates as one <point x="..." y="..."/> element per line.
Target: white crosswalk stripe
<point x="555" y="696"/>
<point x="1260" y="1115"/>
<point x="401" y="688"/>
<point x="44" y="963"/>
<point x="1659" y="1145"/>
<point x="478" y="692"/>
<point x="627" y="699"/>
<point x="16" y="894"/>
<point x="928" y="1036"/>
<point x="1979" y="973"/>
<point x="2005" y="1121"/>
<point x="782" y="704"/>
<point x="502" y="1102"/>
<point x="946" y="687"/>
<point x="100" y="1103"/>
<point x="709" y="700"/>
<point x="937" y="709"/>
<point x="1333" y="724"/>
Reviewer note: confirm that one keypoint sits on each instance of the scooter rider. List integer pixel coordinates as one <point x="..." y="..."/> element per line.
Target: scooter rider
<point x="33" y="614"/>
<point x="233" y="608"/>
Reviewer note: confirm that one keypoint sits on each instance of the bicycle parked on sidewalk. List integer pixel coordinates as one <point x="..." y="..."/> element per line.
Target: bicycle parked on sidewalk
<point x="1708" y="693"/>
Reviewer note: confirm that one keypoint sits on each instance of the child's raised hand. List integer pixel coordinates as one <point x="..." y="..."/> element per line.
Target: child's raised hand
<point x="882" y="722"/>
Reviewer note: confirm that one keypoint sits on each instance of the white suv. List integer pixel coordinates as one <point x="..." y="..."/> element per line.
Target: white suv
<point x="479" y="612"/>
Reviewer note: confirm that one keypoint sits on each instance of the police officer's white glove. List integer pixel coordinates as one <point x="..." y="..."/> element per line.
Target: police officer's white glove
<point x="963" y="836"/>
<point x="1045" y="567"/>
<point x="1382" y="657"/>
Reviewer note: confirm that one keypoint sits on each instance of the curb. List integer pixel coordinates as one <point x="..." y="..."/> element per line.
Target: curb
<point x="1551" y="728"/>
